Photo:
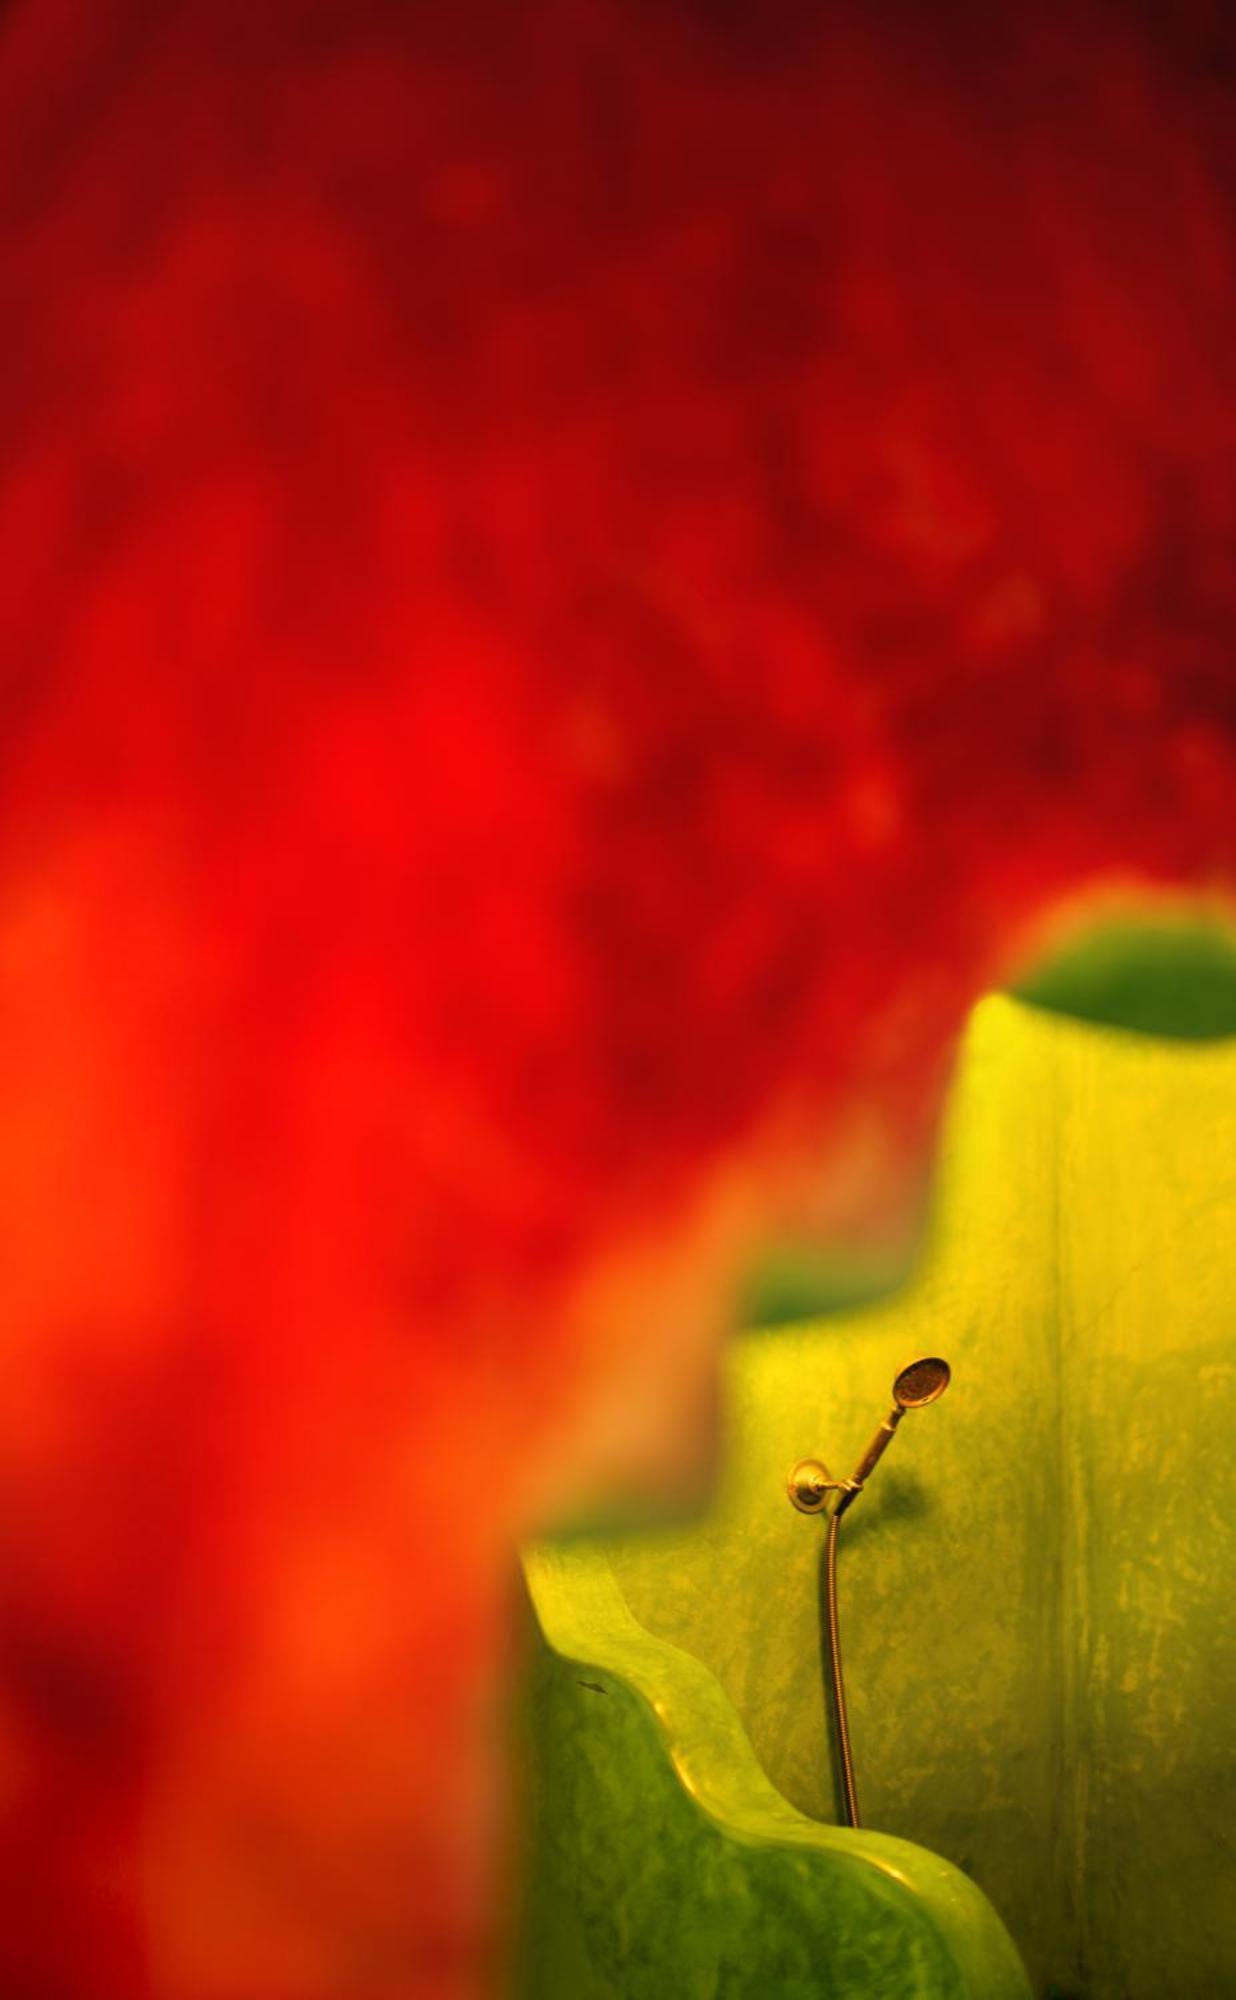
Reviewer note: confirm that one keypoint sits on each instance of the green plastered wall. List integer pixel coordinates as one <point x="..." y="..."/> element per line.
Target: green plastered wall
<point x="660" y="1861"/>
<point x="1038" y="1603"/>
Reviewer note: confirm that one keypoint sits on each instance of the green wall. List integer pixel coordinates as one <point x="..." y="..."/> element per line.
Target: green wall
<point x="1038" y="1614"/>
<point x="661" y="1864"/>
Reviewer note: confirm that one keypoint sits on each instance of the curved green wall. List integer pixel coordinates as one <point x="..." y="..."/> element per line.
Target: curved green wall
<point x="1037" y="1591"/>
<point x="663" y="1862"/>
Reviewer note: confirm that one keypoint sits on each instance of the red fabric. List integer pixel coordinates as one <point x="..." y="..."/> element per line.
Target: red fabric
<point x="574" y="580"/>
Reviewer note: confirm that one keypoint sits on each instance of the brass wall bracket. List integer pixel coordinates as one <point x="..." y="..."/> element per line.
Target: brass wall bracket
<point x="809" y="1485"/>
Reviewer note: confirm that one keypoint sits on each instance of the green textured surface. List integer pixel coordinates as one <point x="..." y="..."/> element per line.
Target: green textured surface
<point x="664" y="1863"/>
<point x="1038" y="1614"/>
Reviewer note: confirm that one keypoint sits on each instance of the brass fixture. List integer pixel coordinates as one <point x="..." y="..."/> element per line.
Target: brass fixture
<point x="919" y="1383"/>
<point x="809" y="1485"/>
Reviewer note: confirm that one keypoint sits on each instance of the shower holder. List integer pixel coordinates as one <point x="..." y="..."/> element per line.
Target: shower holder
<point x="809" y="1485"/>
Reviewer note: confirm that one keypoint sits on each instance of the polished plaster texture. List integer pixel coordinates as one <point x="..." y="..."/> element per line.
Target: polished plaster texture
<point x="1037" y="1605"/>
<point x="663" y="1862"/>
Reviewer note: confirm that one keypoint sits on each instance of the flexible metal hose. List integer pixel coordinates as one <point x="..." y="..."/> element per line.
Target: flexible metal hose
<point x="835" y="1674"/>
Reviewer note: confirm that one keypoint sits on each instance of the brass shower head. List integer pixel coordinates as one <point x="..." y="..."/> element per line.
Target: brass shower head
<point x="810" y="1483"/>
<point x="916" y="1385"/>
<point x="920" y="1382"/>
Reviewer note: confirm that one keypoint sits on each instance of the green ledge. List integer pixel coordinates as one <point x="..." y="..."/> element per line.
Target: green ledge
<point x="663" y="1862"/>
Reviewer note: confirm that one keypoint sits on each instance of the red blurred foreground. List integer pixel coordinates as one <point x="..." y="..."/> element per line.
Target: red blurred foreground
<point x="576" y="579"/>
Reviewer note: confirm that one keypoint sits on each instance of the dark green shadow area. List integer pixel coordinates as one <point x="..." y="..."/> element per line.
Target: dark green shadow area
<point x="623" y="1514"/>
<point x="1170" y="977"/>
<point x="791" y="1283"/>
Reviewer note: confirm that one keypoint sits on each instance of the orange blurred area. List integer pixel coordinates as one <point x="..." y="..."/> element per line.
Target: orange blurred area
<point x="574" y="584"/>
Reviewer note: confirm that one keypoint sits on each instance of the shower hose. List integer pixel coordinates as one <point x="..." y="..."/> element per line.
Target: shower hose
<point x="835" y="1673"/>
